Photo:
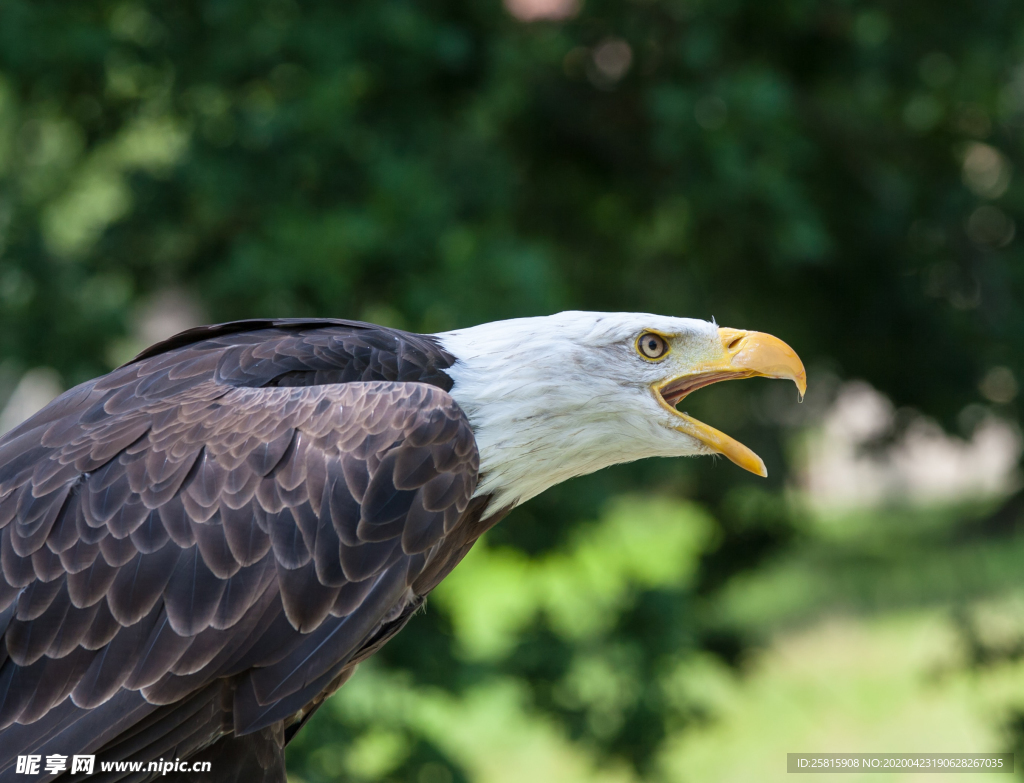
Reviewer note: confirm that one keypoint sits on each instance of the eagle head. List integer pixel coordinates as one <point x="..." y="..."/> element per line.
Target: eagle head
<point x="568" y="394"/>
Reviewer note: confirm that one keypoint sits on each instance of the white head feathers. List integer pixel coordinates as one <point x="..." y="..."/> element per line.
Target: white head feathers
<point x="559" y="396"/>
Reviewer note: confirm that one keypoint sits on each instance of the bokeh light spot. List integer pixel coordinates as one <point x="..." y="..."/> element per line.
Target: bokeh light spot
<point x="611" y="60"/>
<point x="535" y="10"/>
<point x="999" y="385"/>
<point x="990" y="227"/>
<point x="986" y="171"/>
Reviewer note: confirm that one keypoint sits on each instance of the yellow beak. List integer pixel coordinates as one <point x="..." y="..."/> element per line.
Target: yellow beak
<point x="743" y="355"/>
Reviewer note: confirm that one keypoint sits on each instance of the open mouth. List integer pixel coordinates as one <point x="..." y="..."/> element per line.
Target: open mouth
<point x="744" y="355"/>
<point x="673" y="392"/>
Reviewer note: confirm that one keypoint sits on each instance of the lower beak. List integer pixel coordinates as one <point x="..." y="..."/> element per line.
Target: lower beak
<point x="744" y="355"/>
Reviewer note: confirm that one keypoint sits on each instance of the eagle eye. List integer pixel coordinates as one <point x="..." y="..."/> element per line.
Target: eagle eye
<point x="651" y="345"/>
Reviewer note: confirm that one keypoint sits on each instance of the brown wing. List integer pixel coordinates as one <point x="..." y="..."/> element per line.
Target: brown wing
<point x="257" y="538"/>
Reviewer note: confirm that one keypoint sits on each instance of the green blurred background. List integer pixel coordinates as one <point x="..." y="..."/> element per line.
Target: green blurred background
<point x="845" y="174"/>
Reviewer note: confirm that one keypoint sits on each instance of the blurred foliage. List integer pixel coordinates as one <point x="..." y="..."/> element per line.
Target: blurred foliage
<point x="843" y="173"/>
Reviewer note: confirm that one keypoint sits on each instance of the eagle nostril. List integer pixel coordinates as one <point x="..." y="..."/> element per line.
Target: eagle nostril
<point x="734" y="342"/>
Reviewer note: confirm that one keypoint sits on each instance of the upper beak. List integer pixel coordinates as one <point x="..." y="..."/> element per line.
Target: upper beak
<point x="743" y="355"/>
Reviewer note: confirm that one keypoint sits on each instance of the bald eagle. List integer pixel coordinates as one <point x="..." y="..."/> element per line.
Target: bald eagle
<point x="198" y="548"/>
